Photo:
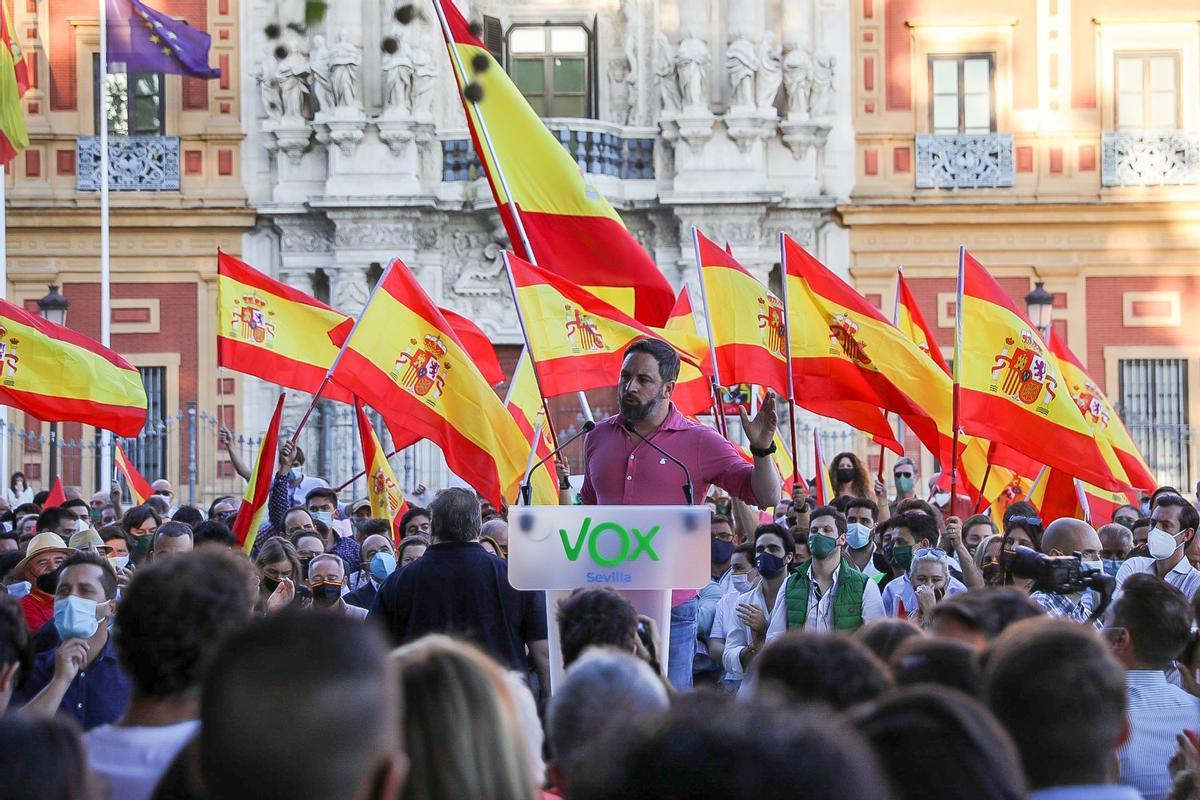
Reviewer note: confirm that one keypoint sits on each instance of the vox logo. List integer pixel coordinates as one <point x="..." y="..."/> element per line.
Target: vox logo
<point x="632" y="543"/>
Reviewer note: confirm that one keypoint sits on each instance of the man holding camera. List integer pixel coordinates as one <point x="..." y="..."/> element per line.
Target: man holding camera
<point x="1064" y="537"/>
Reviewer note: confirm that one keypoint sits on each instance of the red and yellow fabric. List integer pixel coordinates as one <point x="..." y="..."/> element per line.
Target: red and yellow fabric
<point x="693" y="389"/>
<point x="577" y="340"/>
<point x="525" y="405"/>
<point x="1017" y="487"/>
<point x="572" y="229"/>
<point x="746" y="321"/>
<point x="1056" y="494"/>
<point x="783" y="462"/>
<point x="253" y="510"/>
<point x="912" y="324"/>
<point x="57" y="496"/>
<point x="823" y="480"/>
<point x="404" y="360"/>
<point x="1011" y="391"/>
<point x="387" y="500"/>
<point x="842" y="347"/>
<point x="139" y="487"/>
<point x="1102" y="417"/>
<point x="275" y="332"/>
<point x="14" y="82"/>
<point x="57" y="375"/>
<point x="477" y="344"/>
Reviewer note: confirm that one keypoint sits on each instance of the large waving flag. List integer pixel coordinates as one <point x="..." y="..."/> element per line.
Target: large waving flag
<point x="276" y="332"/>
<point x="693" y="393"/>
<point x="912" y="324"/>
<point x="571" y="229"/>
<point x="577" y="340"/>
<point x="477" y="344"/>
<point x="253" y="509"/>
<point x="525" y="405"/>
<point x="745" y="319"/>
<point x="57" y="375"/>
<point x="1056" y="494"/>
<point x="1012" y="392"/>
<point x="404" y="360"/>
<point x="387" y="500"/>
<point x="139" y="487"/>
<point x="142" y="39"/>
<point x="1100" y="414"/>
<point x="14" y="82"/>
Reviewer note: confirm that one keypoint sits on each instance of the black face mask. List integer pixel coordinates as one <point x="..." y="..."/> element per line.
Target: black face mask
<point x="270" y="585"/>
<point x="47" y="581"/>
<point x="845" y="474"/>
<point x="326" y="594"/>
<point x="304" y="568"/>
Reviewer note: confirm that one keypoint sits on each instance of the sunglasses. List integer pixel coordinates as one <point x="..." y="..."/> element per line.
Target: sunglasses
<point x="937" y="552"/>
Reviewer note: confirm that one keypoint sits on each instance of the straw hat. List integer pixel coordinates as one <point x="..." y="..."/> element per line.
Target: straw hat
<point x="89" y="540"/>
<point x="46" y="542"/>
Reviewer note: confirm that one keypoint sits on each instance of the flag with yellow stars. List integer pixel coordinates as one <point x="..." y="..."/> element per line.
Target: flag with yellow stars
<point x="141" y="39"/>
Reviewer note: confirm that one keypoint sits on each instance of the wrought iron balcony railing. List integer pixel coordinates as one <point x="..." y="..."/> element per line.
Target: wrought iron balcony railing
<point x="964" y="161"/>
<point x="135" y="163"/>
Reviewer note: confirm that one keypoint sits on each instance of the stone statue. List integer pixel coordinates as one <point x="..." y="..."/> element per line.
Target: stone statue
<point x="691" y="65"/>
<point x="425" y="68"/>
<point x="398" y="72"/>
<point x="770" y="72"/>
<point x="322" y="85"/>
<point x="293" y="74"/>
<point x="620" y="99"/>
<point x="268" y="89"/>
<point x="797" y="81"/>
<point x="741" y="60"/>
<point x="820" y="93"/>
<point x="629" y="12"/>
<point x="344" y="64"/>
<point x="664" y="74"/>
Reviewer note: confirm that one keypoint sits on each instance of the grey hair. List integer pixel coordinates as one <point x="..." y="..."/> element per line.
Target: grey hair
<point x="454" y="516"/>
<point x="929" y="558"/>
<point x="492" y="524"/>
<point x="604" y="687"/>
<point x="328" y="557"/>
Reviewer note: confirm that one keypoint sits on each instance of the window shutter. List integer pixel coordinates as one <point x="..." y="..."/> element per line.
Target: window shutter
<point x="493" y="37"/>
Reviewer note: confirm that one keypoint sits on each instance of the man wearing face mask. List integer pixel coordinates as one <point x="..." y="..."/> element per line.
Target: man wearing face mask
<point x="1175" y="523"/>
<point x="722" y="543"/>
<point x="371" y="545"/>
<point x="905" y="477"/>
<point x="381" y="565"/>
<point x="326" y="579"/>
<point x="860" y="546"/>
<point x="45" y="554"/>
<point x="1064" y="537"/>
<point x="322" y="504"/>
<point x="1116" y="540"/>
<point x="1126" y="515"/>
<point x="82" y="676"/>
<point x="743" y="577"/>
<point x="828" y="593"/>
<point x="760" y="613"/>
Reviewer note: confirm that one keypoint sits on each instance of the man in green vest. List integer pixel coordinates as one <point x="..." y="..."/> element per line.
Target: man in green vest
<point x="827" y="593"/>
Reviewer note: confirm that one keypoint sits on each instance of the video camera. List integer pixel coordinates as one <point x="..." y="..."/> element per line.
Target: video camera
<point x="1060" y="575"/>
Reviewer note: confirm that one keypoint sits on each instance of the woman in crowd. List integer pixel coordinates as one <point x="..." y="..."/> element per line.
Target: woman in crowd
<point x="279" y="574"/>
<point x="411" y="549"/>
<point x="140" y="524"/>
<point x="975" y="529"/>
<point x="18" y="491"/>
<point x="930" y="576"/>
<point x="849" y="476"/>
<point x="987" y="559"/>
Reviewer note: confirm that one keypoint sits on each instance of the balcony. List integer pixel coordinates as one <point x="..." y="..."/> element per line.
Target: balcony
<point x="135" y="163"/>
<point x="1150" y="158"/>
<point x="964" y="161"/>
<point x="599" y="148"/>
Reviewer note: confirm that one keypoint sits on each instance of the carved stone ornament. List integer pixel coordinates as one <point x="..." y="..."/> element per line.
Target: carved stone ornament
<point x="747" y="127"/>
<point x="291" y="136"/>
<point x="800" y="136"/>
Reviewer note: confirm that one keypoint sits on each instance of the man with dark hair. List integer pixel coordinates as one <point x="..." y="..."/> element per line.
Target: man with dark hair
<point x="827" y="593"/>
<point x="595" y="618"/>
<point x="1141" y="531"/>
<point x="1126" y="515"/>
<point x="214" y="533"/>
<point x="82" y="511"/>
<point x="330" y="729"/>
<point x="1149" y="626"/>
<point x="81" y="677"/>
<point x="722" y="542"/>
<point x="906" y="478"/>
<point x="172" y="619"/>
<point x="810" y="667"/>
<point x="57" y="519"/>
<point x="1175" y="523"/>
<point x="620" y="468"/>
<point x="322" y="505"/>
<point x="981" y="615"/>
<point x="911" y="534"/>
<point x="415" y="521"/>
<point x="459" y="588"/>
<point x="171" y="539"/>
<point x="188" y="515"/>
<point x="1059" y="692"/>
<point x="861" y="516"/>
<point x="763" y="607"/>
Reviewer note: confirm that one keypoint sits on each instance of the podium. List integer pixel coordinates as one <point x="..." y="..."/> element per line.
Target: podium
<point x="641" y="551"/>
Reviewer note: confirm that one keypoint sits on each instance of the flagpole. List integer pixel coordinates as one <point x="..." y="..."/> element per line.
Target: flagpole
<point x="958" y="323"/>
<point x="982" y="487"/>
<point x="712" y="350"/>
<point x="787" y="344"/>
<point x="4" y="432"/>
<point x="105" y="290"/>
<point x="499" y="171"/>
<point x="895" y="324"/>
<point x="537" y="379"/>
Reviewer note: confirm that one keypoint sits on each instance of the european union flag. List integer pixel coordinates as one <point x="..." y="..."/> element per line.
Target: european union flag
<point x="145" y="40"/>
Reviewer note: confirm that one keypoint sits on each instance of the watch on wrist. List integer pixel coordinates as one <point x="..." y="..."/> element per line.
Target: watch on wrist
<point x="762" y="452"/>
<point x="564" y="484"/>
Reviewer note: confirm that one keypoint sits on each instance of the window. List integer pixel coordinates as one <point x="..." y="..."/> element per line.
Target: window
<point x="962" y="98"/>
<point x="1154" y="405"/>
<point x="136" y="103"/>
<point x="550" y="64"/>
<point x="1147" y="90"/>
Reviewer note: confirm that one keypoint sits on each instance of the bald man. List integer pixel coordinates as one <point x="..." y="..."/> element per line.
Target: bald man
<point x="1065" y="537"/>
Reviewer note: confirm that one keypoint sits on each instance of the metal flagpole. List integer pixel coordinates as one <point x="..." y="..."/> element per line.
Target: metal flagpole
<point x="4" y="430"/>
<point x="105" y="294"/>
<point x="958" y="323"/>
<point x="787" y="338"/>
<point x="712" y="350"/>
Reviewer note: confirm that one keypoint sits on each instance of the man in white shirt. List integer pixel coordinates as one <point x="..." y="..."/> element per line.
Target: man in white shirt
<point x="828" y="593"/>
<point x="760" y="616"/>
<point x="861" y="516"/>
<point x="743" y="577"/>
<point x="171" y="619"/>
<point x="1175" y="522"/>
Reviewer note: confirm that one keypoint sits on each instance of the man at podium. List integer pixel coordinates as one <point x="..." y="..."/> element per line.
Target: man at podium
<point x="649" y="454"/>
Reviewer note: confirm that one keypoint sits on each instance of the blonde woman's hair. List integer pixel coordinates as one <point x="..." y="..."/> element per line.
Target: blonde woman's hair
<point x="460" y="725"/>
<point x="982" y="547"/>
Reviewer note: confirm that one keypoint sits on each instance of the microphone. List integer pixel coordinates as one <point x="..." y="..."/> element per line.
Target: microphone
<point x="527" y="487"/>
<point x="687" y="487"/>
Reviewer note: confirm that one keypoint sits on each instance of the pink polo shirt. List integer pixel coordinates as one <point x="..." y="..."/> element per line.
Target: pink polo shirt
<point x="621" y="470"/>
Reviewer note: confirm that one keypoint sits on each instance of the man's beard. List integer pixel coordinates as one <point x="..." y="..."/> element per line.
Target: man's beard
<point x="639" y="411"/>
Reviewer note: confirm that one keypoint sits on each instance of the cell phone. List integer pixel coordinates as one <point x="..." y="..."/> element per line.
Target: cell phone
<point x="647" y="642"/>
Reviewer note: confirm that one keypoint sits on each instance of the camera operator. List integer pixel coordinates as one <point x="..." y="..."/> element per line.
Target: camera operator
<point x="1065" y="537"/>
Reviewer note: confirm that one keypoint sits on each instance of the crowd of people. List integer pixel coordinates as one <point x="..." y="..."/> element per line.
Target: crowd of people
<point x="872" y="647"/>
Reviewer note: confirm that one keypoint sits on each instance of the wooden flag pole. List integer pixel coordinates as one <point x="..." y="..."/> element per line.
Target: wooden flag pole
<point x="787" y="349"/>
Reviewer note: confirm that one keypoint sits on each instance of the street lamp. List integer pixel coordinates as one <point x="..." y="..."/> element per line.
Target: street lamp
<point x="1038" y="303"/>
<point x="53" y="308"/>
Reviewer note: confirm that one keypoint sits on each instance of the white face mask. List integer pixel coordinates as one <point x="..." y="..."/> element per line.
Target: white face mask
<point x="81" y="525"/>
<point x="119" y="562"/>
<point x="1162" y="544"/>
<point x="741" y="583"/>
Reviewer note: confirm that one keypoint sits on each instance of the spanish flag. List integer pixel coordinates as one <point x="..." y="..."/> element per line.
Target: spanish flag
<point x="577" y="340"/>
<point x="14" y="82"/>
<point x="693" y="393"/>
<point x="823" y="480"/>
<point x="1056" y="494"/>
<point x="387" y="500"/>
<point x="273" y="331"/>
<point x="404" y="360"/>
<point x="746" y="321"/>
<point x="525" y="404"/>
<point x="911" y="323"/>
<point x="1011" y="391"/>
<point x="1100" y="415"/>
<point x="253" y="509"/>
<point x="139" y="487"/>
<point x="477" y="344"/>
<point x="57" y="375"/>
<point x="571" y="228"/>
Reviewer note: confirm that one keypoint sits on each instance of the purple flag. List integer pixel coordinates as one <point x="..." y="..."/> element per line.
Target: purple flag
<point x="144" y="40"/>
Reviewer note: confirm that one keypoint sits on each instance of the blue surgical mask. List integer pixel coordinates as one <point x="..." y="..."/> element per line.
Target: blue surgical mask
<point x="382" y="565"/>
<point x="857" y="535"/>
<point x="75" y="617"/>
<point x="19" y="589"/>
<point x="1112" y="565"/>
<point x="322" y="516"/>
<point x="297" y="473"/>
<point x="741" y="582"/>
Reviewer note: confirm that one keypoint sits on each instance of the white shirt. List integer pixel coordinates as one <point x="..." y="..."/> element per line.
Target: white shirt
<point x="820" y="609"/>
<point x="738" y="635"/>
<point x="1183" y="576"/>
<point x="354" y="612"/>
<point x="130" y="761"/>
<point x="1157" y="712"/>
<point x="870" y="570"/>
<point x="901" y="590"/>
